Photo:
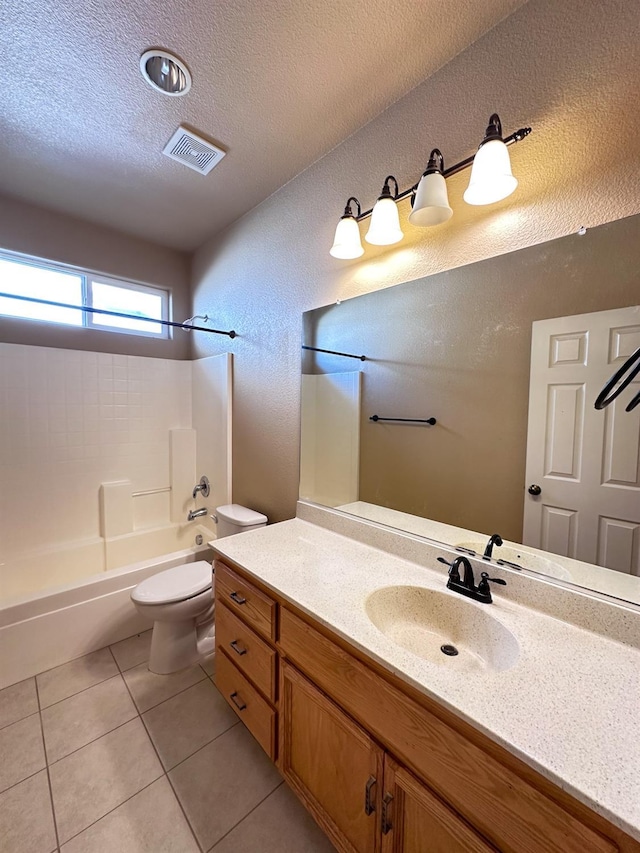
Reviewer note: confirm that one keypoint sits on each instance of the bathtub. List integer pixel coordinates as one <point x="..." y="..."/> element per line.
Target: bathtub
<point x="40" y="630"/>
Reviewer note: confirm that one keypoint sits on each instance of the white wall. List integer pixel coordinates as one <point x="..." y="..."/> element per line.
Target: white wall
<point x="330" y="437"/>
<point x="212" y="380"/>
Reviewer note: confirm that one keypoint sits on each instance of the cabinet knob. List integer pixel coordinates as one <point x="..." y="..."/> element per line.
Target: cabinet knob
<point x="235" y="596"/>
<point x="237" y="648"/>
<point x="534" y="490"/>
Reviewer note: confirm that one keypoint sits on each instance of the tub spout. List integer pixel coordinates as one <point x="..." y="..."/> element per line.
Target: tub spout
<point x="197" y="513"/>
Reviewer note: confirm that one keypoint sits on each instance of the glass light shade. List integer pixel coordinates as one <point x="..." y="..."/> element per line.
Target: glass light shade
<point x="491" y="178"/>
<point x="431" y="205"/>
<point x="346" y="243"/>
<point x="385" y="224"/>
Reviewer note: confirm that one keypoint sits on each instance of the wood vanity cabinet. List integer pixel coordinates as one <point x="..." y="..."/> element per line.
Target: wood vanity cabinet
<point x="365" y="801"/>
<point x="246" y="661"/>
<point x="381" y="767"/>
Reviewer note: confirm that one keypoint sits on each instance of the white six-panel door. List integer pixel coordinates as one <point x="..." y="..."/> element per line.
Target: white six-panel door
<point x="586" y="462"/>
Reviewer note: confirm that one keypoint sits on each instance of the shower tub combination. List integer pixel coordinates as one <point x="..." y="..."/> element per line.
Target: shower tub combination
<point x="40" y="630"/>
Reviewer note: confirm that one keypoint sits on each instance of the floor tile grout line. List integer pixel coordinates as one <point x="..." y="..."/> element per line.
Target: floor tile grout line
<point x="166" y="774"/>
<point x="93" y="740"/>
<point x="30" y="776"/>
<point x="46" y="762"/>
<point x="182" y="809"/>
<point x="64" y="663"/>
<point x="26" y="717"/>
<point x="208" y="743"/>
<point x="84" y="690"/>
<point x="184" y="690"/>
<point x="98" y="819"/>
<point x="257" y="806"/>
<point x="163" y="773"/>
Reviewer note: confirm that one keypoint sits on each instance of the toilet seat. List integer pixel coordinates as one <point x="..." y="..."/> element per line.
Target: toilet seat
<point x="176" y="584"/>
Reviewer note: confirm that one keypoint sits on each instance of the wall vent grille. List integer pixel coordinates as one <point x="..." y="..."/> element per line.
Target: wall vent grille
<point x="193" y="151"/>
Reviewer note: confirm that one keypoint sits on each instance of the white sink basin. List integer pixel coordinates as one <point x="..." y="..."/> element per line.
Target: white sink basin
<point x="520" y="556"/>
<point x="422" y="620"/>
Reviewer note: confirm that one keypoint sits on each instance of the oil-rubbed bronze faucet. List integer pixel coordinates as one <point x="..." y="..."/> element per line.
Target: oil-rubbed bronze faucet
<point x="466" y="585"/>
<point x="494" y="539"/>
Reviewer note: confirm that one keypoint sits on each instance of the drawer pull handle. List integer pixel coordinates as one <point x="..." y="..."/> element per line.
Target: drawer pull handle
<point x="235" y="596"/>
<point x="240" y="705"/>
<point x="386" y="816"/>
<point x="236" y="648"/>
<point x="369" y="806"/>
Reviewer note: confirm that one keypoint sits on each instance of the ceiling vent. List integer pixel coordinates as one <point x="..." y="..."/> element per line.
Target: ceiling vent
<point x="192" y="150"/>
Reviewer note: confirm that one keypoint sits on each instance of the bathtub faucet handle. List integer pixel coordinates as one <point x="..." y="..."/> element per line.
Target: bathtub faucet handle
<point x="203" y="487"/>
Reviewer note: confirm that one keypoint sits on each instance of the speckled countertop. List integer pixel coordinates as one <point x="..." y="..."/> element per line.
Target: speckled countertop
<point x="569" y="707"/>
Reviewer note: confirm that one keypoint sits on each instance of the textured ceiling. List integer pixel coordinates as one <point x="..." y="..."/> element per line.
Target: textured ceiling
<point x="277" y="83"/>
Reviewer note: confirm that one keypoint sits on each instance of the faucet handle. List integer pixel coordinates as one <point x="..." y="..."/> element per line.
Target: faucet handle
<point x="483" y="586"/>
<point x="454" y="574"/>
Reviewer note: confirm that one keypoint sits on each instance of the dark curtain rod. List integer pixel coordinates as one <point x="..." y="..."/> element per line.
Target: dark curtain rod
<point x="334" y="352"/>
<point x="88" y="310"/>
<point x="431" y="421"/>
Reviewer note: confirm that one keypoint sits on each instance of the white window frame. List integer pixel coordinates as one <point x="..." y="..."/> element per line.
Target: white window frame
<point x="125" y="285"/>
<point x="88" y="277"/>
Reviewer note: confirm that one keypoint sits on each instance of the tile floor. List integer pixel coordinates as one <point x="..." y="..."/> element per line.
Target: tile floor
<point x="101" y="755"/>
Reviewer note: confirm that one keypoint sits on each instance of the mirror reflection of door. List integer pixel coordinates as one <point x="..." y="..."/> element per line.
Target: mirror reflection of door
<point x="586" y="462"/>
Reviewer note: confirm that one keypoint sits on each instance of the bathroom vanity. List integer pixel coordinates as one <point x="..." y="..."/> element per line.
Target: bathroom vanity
<point x="328" y="640"/>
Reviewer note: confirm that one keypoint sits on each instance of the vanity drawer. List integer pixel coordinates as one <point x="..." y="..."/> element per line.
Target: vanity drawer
<point x="244" y="599"/>
<point x="248" y="652"/>
<point x="254" y="711"/>
<point x="507" y="810"/>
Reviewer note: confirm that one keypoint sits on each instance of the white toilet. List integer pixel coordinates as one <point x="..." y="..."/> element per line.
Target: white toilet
<point x="180" y="601"/>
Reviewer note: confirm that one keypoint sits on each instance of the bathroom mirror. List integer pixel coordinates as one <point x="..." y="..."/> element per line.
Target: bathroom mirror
<point x="457" y="347"/>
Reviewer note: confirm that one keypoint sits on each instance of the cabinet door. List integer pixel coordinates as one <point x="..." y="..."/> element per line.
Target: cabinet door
<point x="331" y="763"/>
<point x="413" y="820"/>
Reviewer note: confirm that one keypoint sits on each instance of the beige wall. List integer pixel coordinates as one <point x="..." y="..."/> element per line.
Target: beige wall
<point x="569" y="69"/>
<point x="45" y="234"/>
<point x="456" y="346"/>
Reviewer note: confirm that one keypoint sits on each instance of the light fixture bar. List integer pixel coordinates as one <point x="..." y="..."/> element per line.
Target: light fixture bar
<point x="517" y="136"/>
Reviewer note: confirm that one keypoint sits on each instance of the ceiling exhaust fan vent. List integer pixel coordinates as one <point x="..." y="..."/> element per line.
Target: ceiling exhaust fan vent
<point x="192" y="150"/>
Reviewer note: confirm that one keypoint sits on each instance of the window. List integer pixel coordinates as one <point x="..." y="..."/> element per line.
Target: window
<point x="38" y="281"/>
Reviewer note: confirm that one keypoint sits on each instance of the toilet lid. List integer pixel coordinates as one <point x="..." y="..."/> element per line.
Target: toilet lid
<point x="174" y="584"/>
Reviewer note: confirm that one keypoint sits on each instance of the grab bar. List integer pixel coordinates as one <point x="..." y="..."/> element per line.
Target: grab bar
<point x="431" y="421"/>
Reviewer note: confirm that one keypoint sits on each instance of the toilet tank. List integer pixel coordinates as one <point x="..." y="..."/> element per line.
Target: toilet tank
<point x="234" y="518"/>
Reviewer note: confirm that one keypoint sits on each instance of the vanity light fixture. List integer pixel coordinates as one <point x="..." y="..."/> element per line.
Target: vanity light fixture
<point x="385" y="220"/>
<point x="491" y="177"/>
<point x="431" y="204"/>
<point x="491" y="180"/>
<point x="346" y="243"/>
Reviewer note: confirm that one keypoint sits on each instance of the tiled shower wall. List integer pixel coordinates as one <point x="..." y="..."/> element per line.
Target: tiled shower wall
<point x="71" y="420"/>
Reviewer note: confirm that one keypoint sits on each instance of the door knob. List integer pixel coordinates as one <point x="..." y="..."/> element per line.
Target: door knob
<point x="534" y="490"/>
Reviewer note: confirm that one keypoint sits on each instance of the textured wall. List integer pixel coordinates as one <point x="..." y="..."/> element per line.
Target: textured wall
<point x="44" y="234"/>
<point x="568" y="69"/>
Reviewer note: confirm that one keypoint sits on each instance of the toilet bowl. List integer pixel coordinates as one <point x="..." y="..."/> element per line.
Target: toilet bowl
<point x="180" y="603"/>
